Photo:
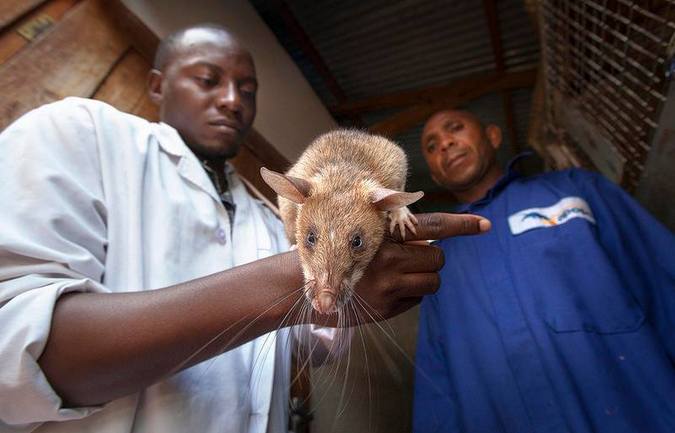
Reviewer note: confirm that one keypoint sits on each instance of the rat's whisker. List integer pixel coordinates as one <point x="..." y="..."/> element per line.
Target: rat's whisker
<point x="375" y="316"/>
<point x="346" y="379"/>
<point x="378" y="324"/>
<point x="405" y="355"/>
<point x="237" y="335"/>
<point x="265" y="346"/>
<point x="365" y="356"/>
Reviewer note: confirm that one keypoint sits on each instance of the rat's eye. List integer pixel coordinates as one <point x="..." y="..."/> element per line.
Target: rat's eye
<point x="311" y="239"/>
<point x="357" y="242"/>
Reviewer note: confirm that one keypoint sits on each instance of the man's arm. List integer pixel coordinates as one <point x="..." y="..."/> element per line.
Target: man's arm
<point x="103" y="346"/>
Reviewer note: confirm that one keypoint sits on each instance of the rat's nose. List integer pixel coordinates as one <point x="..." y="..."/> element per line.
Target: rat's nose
<point x="324" y="302"/>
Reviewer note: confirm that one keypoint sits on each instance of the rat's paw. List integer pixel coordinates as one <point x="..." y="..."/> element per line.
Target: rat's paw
<point x="402" y="217"/>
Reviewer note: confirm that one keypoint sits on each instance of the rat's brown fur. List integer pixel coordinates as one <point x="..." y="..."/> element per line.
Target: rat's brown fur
<point x="343" y="168"/>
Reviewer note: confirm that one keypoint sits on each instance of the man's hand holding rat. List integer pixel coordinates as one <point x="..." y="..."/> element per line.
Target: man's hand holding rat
<point x="401" y="273"/>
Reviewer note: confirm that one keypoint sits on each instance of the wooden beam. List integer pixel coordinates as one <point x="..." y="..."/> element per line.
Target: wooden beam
<point x="408" y="118"/>
<point x="307" y="47"/>
<point x="72" y="61"/>
<point x="255" y="153"/>
<point x="11" y="42"/>
<point x="12" y="10"/>
<point x="425" y="95"/>
<point x="490" y="8"/>
<point x="265" y="152"/>
<point x="125" y="86"/>
<point x="142" y="38"/>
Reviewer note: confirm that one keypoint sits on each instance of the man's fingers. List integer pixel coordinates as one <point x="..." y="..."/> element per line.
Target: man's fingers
<point x="416" y="285"/>
<point x="406" y="304"/>
<point x="442" y="225"/>
<point x="420" y="258"/>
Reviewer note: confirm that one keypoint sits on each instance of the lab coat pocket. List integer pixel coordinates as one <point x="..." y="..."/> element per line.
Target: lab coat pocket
<point x="576" y="287"/>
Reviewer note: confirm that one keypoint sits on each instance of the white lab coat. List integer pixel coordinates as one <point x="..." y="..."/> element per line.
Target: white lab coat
<point x="93" y="199"/>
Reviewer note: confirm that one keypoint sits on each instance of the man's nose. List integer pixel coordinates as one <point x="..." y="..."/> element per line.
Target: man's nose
<point x="446" y="142"/>
<point x="228" y="96"/>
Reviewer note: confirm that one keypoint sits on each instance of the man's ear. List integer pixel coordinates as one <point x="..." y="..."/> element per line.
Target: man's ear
<point x="494" y="135"/>
<point x="155" y="78"/>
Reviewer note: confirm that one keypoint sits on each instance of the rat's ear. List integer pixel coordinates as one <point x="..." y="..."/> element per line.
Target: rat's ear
<point x="389" y="199"/>
<point x="289" y="187"/>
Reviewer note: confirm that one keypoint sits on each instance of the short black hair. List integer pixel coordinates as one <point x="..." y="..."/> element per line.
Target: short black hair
<point x="168" y="45"/>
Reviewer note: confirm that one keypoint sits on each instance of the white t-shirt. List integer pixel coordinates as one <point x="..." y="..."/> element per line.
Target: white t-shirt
<point x="86" y="193"/>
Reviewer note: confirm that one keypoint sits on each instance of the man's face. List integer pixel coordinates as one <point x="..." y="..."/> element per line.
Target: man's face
<point x="208" y="93"/>
<point x="458" y="150"/>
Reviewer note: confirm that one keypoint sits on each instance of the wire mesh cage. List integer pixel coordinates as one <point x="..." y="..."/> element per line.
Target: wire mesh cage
<point x="607" y="65"/>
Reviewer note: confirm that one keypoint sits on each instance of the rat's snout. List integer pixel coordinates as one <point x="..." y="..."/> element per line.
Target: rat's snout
<point x="324" y="299"/>
<point x="324" y="302"/>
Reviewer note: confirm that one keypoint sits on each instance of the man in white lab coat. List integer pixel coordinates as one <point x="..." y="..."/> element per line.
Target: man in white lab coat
<point x="140" y="285"/>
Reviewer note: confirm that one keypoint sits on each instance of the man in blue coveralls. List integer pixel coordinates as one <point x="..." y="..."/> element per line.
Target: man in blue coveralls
<point x="561" y="318"/>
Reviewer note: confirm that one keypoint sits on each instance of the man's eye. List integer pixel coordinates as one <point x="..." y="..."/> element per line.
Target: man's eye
<point x="206" y="81"/>
<point x="248" y="90"/>
<point x="431" y="146"/>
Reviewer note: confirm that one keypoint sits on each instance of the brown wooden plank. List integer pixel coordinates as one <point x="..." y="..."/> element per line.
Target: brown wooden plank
<point x="265" y="152"/>
<point x="305" y="43"/>
<point x="146" y="109"/>
<point x="255" y="153"/>
<point x="425" y="95"/>
<point x="12" y="42"/>
<point x="248" y="166"/>
<point x="12" y="10"/>
<point x="72" y="61"/>
<point x="406" y="98"/>
<point x="140" y="35"/>
<point x="490" y="8"/>
<point x="406" y="119"/>
<point x="125" y="86"/>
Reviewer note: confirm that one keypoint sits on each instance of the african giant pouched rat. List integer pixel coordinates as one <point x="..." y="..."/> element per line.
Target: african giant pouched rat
<point x="334" y="204"/>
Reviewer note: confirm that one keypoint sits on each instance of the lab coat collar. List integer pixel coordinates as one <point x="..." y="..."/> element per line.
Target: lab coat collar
<point x="187" y="163"/>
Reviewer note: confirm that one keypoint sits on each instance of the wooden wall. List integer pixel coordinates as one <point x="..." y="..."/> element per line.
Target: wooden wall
<point x="51" y="49"/>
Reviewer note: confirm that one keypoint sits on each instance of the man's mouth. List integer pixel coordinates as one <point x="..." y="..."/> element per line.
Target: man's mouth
<point x="454" y="159"/>
<point x="224" y="125"/>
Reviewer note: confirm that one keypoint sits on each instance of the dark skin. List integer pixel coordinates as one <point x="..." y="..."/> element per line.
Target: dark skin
<point x="105" y="346"/>
<point x="461" y="153"/>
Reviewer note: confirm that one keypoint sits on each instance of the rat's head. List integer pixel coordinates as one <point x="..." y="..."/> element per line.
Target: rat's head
<point x="338" y="231"/>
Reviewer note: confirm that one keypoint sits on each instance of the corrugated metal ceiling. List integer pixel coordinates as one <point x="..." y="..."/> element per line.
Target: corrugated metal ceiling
<point x="379" y="47"/>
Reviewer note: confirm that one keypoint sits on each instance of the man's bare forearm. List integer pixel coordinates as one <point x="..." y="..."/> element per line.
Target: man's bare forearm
<point x="103" y="346"/>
